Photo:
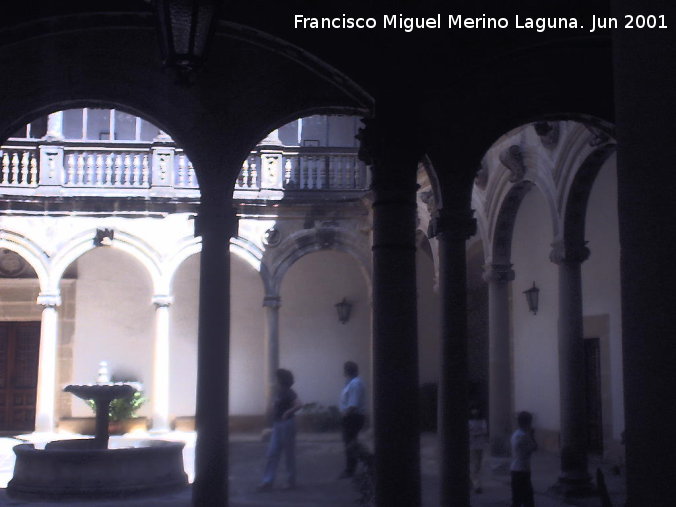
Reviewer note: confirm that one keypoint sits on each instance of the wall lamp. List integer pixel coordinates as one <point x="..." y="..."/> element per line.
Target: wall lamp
<point x="344" y="308"/>
<point x="532" y="297"/>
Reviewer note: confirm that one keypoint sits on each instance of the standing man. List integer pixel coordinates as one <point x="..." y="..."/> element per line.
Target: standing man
<point x="523" y="445"/>
<point x="352" y="401"/>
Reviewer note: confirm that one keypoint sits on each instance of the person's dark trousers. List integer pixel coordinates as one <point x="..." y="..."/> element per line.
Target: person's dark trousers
<point x="352" y="424"/>
<point x="522" y="490"/>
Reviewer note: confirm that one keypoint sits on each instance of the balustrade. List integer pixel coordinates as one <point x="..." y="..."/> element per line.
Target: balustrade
<point x="109" y="165"/>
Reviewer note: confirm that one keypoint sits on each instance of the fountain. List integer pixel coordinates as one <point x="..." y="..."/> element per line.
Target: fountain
<point x="87" y="468"/>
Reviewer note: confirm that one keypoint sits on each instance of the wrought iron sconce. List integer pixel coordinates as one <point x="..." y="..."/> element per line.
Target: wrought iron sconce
<point x="532" y="298"/>
<point x="344" y="309"/>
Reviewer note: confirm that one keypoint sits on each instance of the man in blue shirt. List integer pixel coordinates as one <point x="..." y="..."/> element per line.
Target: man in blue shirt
<point x="352" y="403"/>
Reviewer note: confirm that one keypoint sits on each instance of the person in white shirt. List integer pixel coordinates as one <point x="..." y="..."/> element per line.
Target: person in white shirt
<point x="478" y="438"/>
<point x="352" y="403"/>
<point x="523" y="446"/>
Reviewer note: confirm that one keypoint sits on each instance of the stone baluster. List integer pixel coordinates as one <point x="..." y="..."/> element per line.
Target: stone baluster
<point x="287" y="172"/>
<point x="99" y="170"/>
<point x="136" y="173"/>
<point x="15" y="168"/>
<point x="25" y="167"/>
<point x="243" y="174"/>
<point x="253" y="171"/>
<point x="110" y="161"/>
<point x="70" y="168"/>
<point x="127" y="170"/>
<point x="118" y="170"/>
<point x="81" y="160"/>
<point x="145" y="171"/>
<point x="5" y="168"/>
<point x="48" y="354"/>
<point x="91" y="168"/>
<point x="34" y="171"/>
<point x="191" y="175"/>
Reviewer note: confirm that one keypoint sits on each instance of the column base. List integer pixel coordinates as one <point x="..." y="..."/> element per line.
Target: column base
<point x="579" y="487"/>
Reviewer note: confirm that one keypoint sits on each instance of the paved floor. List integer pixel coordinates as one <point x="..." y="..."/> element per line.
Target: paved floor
<point x="319" y="460"/>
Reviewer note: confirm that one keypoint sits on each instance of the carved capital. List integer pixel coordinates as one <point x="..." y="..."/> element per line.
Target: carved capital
<point x="49" y="300"/>
<point x="512" y="158"/>
<point x="548" y="133"/>
<point x="456" y="225"/>
<point x="272" y="301"/>
<point x="499" y="273"/>
<point x="162" y="300"/>
<point x="570" y="254"/>
<point x="371" y="142"/>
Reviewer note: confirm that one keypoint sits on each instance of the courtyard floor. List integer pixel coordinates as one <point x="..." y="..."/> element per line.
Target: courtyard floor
<point x="320" y="459"/>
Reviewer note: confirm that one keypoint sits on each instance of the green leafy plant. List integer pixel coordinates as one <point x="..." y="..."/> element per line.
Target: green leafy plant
<point x="122" y="408"/>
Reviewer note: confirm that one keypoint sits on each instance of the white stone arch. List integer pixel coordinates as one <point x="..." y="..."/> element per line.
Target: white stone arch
<point x="83" y="242"/>
<point x="31" y="253"/>
<point x="302" y="243"/>
<point x="189" y="246"/>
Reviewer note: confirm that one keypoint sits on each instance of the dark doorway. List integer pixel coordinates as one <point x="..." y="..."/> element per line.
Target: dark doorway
<point x="19" y="348"/>
<point x="593" y="395"/>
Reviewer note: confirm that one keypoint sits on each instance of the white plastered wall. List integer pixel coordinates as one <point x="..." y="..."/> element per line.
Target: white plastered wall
<point x="535" y="349"/>
<point x="601" y="291"/>
<point x="313" y="343"/>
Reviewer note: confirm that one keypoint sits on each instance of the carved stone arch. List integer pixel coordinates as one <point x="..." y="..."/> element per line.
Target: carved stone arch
<point x="35" y="256"/>
<point x="306" y="242"/>
<point x="577" y="197"/>
<point x="504" y="225"/>
<point x="84" y="242"/>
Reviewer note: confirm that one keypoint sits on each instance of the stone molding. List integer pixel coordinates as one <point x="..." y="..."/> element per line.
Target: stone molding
<point x="163" y="300"/>
<point x="272" y="301"/>
<point x="49" y="300"/>
<point x="500" y="273"/>
<point x="569" y="254"/>
<point x="455" y="225"/>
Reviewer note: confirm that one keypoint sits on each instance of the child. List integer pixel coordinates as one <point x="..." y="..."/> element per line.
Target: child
<point x="523" y="446"/>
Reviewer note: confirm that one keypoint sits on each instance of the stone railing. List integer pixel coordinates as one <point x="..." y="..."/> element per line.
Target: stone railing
<point x="161" y="169"/>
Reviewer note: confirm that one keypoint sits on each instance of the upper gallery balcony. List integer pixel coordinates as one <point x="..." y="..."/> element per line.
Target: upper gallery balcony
<point x="72" y="155"/>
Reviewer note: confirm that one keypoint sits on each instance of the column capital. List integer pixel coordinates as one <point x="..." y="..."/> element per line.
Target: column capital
<point x="569" y="254"/>
<point x="456" y="225"/>
<point x="49" y="300"/>
<point x="162" y="300"/>
<point x="500" y="273"/>
<point x="272" y="301"/>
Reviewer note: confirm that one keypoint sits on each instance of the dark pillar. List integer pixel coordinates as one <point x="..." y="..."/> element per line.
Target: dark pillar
<point x="395" y="347"/>
<point x="645" y="97"/>
<point x="498" y="276"/>
<point x="574" y="478"/>
<point x="216" y="223"/>
<point x="452" y="229"/>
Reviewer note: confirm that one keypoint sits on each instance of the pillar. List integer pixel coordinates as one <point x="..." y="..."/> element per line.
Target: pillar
<point x="452" y="228"/>
<point x="215" y="223"/>
<point x="55" y="126"/>
<point x="46" y="392"/>
<point x="498" y="277"/>
<point x="645" y="114"/>
<point x="160" y="394"/>
<point x="574" y="478"/>
<point x="395" y="347"/>
<point x="271" y="306"/>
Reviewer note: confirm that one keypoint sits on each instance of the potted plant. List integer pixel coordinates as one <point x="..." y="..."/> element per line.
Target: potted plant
<point x="122" y="413"/>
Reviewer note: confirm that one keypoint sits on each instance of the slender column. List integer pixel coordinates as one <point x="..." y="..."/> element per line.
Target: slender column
<point x="55" y="126"/>
<point x="271" y="305"/>
<point x="160" y="394"/>
<point x="574" y="477"/>
<point x="46" y="391"/>
<point x="452" y="229"/>
<point x="215" y="224"/>
<point x="395" y="354"/>
<point x="498" y="277"/>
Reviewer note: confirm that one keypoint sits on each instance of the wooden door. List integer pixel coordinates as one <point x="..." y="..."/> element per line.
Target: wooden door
<point x="19" y="348"/>
<point x="593" y="394"/>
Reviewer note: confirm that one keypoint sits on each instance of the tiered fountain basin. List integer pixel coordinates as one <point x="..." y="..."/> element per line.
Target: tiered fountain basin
<point x="88" y="468"/>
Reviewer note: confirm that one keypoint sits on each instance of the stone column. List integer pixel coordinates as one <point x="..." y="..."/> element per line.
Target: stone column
<point x="452" y="228"/>
<point x="216" y="223"/>
<point x="55" y="126"/>
<point x="160" y="394"/>
<point x="46" y="391"/>
<point x="271" y="305"/>
<point x="395" y="347"/>
<point x="574" y="478"/>
<point x="498" y="277"/>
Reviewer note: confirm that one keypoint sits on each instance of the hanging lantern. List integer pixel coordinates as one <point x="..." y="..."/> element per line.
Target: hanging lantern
<point x="532" y="297"/>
